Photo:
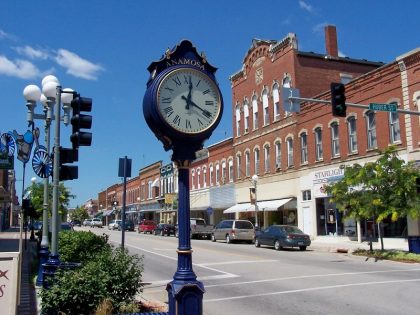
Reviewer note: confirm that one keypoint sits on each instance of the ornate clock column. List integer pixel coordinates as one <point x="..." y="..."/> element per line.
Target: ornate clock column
<point x="182" y="106"/>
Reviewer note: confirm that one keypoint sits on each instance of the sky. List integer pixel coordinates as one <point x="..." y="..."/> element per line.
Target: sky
<point x="102" y="48"/>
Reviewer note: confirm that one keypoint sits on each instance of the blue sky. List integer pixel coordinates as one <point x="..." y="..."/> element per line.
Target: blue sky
<point x="102" y="49"/>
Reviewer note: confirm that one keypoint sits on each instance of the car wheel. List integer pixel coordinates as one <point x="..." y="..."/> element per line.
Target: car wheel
<point x="302" y="247"/>
<point x="277" y="245"/>
<point x="257" y="243"/>
<point x="213" y="238"/>
<point x="228" y="240"/>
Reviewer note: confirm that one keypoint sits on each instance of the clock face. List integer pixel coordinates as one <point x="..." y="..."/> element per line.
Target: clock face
<point x="188" y="100"/>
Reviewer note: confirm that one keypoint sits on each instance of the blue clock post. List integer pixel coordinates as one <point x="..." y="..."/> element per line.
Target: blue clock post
<point x="182" y="106"/>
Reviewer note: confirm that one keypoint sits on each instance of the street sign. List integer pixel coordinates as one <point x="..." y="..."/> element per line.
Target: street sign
<point x="383" y="107"/>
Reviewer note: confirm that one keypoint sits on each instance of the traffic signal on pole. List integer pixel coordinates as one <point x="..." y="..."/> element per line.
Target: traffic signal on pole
<point x="68" y="172"/>
<point x="338" y="99"/>
<point x="81" y="121"/>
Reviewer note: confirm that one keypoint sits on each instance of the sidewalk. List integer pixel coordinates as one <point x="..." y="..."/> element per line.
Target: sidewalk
<point x="9" y="242"/>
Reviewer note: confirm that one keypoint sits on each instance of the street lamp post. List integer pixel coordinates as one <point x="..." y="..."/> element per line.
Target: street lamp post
<point x="254" y="181"/>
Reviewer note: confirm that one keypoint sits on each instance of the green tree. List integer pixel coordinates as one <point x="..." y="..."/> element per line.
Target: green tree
<point x="385" y="188"/>
<point x="80" y="214"/>
<point x="37" y="198"/>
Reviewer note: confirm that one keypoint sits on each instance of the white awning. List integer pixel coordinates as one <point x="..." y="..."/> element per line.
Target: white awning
<point x="272" y="205"/>
<point x="156" y="183"/>
<point x="268" y="205"/>
<point x="240" y="207"/>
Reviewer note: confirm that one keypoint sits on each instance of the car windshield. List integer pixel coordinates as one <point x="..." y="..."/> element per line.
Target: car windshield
<point x="292" y="229"/>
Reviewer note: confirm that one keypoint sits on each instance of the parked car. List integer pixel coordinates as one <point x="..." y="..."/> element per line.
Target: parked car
<point x="66" y="226"/>
<point x="113" y="225"/>
<point x="128" y="225"/>
<point x="199" y="228"/>
<point x="147" y="226"/>
<point x="76" y="223"/>
<point x="280" y="236"/>
<point x="164" y="229"/>
<point x="87" y="222"/>
<point x="96" y="223"/>
<point x="233" y="230"/>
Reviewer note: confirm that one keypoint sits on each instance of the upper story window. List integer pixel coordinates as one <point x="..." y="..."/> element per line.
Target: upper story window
<point x="217" y="174"/>
<point x="290" y="162"/>
<point x="318" y="144"/>
<point x="287" y="83"/>
<point x="223" y="180"/>
<point x="255" y="111"/>
<point x="257" y="161"/>
<point x="335" y="140"/>
<point x="266" y="159"/>
<point x="351" y="126"/>
<point x="304" y="148"/>
<point x="371" y="130"/>
<point x="230" y="164"/>
<point x="149" y="192"/>
<point x="238" y="120"/>
<point x="394" y="127"/>
<point x="211" y="175"/>
<point x="276" y="101"/>
<point x="246" y="116"/>
<point x="192" y="179"/>
<point x="306" y="195"/>
<point x="278" y="154"/>
<point x="238" y="166"/>
<point x="265" y="107"/>
<point x="247" y="164"/>
<point x="204" y="177"/>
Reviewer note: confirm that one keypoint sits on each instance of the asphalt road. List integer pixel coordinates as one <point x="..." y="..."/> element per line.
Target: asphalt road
<point x="241" y="279"/>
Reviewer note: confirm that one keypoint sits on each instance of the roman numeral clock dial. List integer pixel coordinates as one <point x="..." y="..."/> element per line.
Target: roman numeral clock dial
<point x="188" y="101"/>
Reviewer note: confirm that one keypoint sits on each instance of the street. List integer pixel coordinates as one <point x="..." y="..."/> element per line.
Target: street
<point x="243" y="279"/>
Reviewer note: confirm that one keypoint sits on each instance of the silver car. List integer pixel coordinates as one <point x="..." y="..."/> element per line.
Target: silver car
<point x="233" y="230"/>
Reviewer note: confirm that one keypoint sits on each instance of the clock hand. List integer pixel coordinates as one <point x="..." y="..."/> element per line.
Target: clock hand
<point x="206" y="113"/>
<point x="188" y="99"/>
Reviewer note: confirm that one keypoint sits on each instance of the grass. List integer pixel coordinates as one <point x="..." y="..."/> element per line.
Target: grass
<point x="394" y="255"/>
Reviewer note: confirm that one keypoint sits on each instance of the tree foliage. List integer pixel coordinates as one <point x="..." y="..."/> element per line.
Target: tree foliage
<point x="37" y="197"/>
<point x="380" y="189"/>
<point x="80" y="214"/>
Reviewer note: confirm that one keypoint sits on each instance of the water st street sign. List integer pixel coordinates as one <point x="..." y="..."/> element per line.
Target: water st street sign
<point x="383" y="107"/>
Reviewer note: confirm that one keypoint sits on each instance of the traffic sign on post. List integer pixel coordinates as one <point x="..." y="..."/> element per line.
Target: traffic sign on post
<point x="383" y="107"/>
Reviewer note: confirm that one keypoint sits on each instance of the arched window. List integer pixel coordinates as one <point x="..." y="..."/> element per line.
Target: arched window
<point x="204" y="177"/>
<point x="238" y="166"/>
<point x="211" y="175"/>
<point x="394" y="127"/>
<point x="223" y="172"/>
<point x="238" y="121"/>
<point x="371" y="130"/>
<point x="265" y="107"/>
<point x="278" y="154"/>
<point x="351" y="126"/>
<point x="267" y="158"/>
<point x="230" y="170"/>
<point x="303" y="148"/>
<point x="247" y="164"/>
<point x="217" y="180"/>
<point x="192" y="179"/>
<point x="198" y="178"/>
<point x="257" y="161"/>
<point x="335" y="140"/>
<point x="255" y="111"/>
<point x="246" y="116"/>
<point x="318" y="144"/>
<point x="290" y="162"/>
<point x="276" y="101"/>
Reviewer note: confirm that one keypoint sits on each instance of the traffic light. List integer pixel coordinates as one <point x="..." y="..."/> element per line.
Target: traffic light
<point x="81" y="121"/>
<point x="68" y="172"/>
<point x="338" y="99"/>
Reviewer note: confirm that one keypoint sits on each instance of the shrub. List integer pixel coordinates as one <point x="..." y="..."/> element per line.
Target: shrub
<point x="111" y="274"/>
<point x="81" y="246"/>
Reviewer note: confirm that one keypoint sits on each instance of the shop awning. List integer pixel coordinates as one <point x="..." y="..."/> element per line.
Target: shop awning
<point x="272" y="205"/>
<point x="266" y="205"/>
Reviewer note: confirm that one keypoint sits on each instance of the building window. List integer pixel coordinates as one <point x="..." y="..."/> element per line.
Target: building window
<point x="149" y="192"/>
<point x="265" y="107"/>
<point x="276" y="101"/>
<point x="278" y="155"/>
<point x="335" y="140"/>
<point x="266" y="159"/>
<point x="371" y="130"/>
<point x="238" y="121"/>
<point x="306" y="195"/>
<point x="289" y="152"/>
<point x="238" y="166"/>
<point x="255" y="111"/>
<point x="223" y="180"/>
<point x="351" y="125"/>
<point x="217" y="181"/>
<point x="204" y="177"/>
<point x="246" y="117"/>
<point x="230" y="170"/>
<point x="247" y="164"/>
<point x="287" y="83"/>
<point x="192" y="179"/>
<point x="318" y="144"/>
<point x="394" y="127"/>
<point x="304" y="148"/>
<point x="257" y="161"/>
<point x="211" y="176"/>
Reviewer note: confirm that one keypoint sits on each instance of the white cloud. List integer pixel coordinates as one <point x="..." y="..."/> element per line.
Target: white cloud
<point x="77" y="66"/>
<point x="32" y="53"/>
<point x="319" y="28"/>
<point x="305" y="6"/>
<point x="4" y="35"/>
<point x="18" y="68"/>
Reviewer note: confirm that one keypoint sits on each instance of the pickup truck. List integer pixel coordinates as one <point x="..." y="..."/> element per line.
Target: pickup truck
<point x="199" y="228"/>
